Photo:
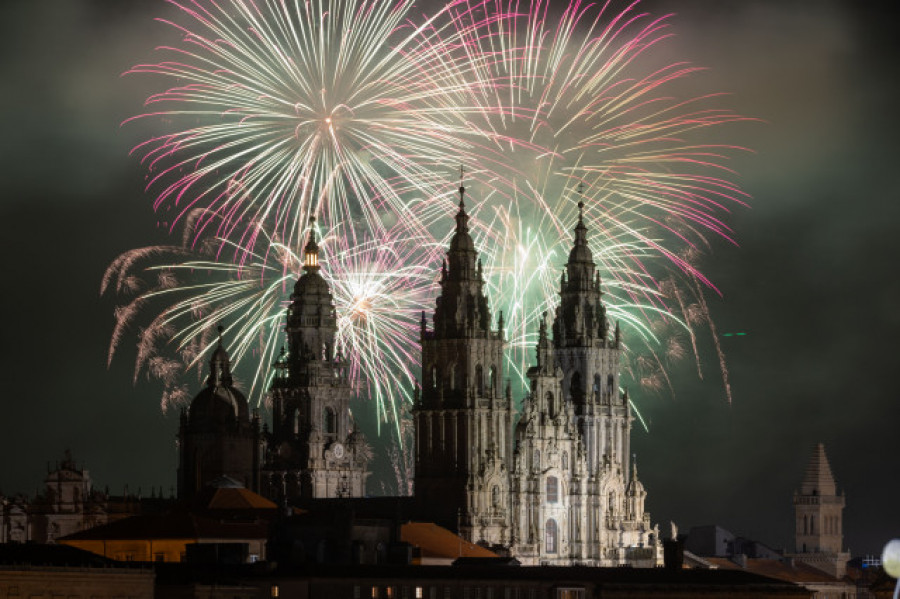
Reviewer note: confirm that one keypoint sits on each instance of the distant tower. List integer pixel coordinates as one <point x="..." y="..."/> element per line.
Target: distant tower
<point x="819" y="522"/>
<point x="462" y="414"/>
<point x="313" y="450"/>
<point x="217" y="436"/>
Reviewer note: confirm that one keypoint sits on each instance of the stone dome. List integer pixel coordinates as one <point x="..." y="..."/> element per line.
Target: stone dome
<point x="217" y="405"/>
<point x="219" y="402"/>
<point x="310" y="284"/>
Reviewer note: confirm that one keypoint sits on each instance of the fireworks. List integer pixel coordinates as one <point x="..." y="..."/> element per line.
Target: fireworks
<point x="356" y="111"/>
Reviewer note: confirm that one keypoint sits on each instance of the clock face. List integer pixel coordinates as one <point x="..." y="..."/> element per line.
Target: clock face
<point x="338" y="450"/>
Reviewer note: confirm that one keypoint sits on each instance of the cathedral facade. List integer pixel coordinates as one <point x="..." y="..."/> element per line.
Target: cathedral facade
<point x="560" y="487"/>
<point x="553" y="484"/>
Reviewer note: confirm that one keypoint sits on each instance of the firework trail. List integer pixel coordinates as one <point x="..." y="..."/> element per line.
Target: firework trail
<point x="567" y="108"/>
<point x="378" y="288"/>
<point x="283" y="110"/>
<point x="356" y="111"/>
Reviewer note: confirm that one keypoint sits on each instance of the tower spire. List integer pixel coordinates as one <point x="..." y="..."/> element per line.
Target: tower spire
<point x="462" y="188"/>
<point x="311" y="250"/>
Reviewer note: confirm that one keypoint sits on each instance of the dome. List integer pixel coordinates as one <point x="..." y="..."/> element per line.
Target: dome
<point x="219" y="402"/>
<point x="217" y="405"/>
<point x="462" y="241"/>
<point x="311" y="283"/>
<point x="580" y="253"/>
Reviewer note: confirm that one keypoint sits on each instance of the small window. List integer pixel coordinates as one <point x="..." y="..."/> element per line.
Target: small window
<point x="420" y="593"/>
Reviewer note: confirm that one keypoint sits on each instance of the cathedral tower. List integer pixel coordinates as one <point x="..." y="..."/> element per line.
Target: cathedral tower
<point x="589" y="357"/>
<point x="462" y="413"/>
<point x="217" y="436"/>
<point x="818" y="512"/>
<point x="313" y="450"/>
<point x="573" y="498"/>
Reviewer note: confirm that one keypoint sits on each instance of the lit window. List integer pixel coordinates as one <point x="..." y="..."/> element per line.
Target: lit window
<point x="420" y="594"/>
<point x="274" y="591"/>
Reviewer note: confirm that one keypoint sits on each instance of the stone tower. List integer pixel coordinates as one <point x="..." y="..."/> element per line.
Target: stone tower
<point x="462" y="412"/>
<point x="313" y="450"/>
<point x="818" y="512"/>
<point x="573" y="498"/>
<point x="218" y="437"/>
<point x="589" y="358"/>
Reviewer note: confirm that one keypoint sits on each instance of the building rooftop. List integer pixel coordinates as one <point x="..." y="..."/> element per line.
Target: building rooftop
<point x="437" y="542"/>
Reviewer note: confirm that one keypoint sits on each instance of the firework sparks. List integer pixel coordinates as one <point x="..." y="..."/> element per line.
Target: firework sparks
<point x="355" y="111"/>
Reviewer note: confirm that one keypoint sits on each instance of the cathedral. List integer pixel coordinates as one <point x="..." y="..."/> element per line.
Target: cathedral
<point x="552" y="484"/>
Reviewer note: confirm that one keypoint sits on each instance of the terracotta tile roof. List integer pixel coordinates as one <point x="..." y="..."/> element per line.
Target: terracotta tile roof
<point x="238" y="499"/>
<point x="173" y="525"/>
<point x="773" y="568"/>
<point x="436" y="541"/>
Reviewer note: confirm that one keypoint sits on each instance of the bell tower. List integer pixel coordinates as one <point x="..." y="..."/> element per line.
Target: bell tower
<point x="818" y="513"/>
<point x="462" y="412"/>
<point x="313" y="449"/>
<point x="589" y="357"/>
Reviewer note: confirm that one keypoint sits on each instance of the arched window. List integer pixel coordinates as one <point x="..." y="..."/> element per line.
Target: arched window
<point x="551" y="532"/>
<point x="296" y="422"/>
<point x="565" y="461"/>
<point x="324" y="352"/>
<point x="576" y="389"/>
<point x="495" y="496"/>
<point x="493" y="381"/>
<point x="452" y="377"/>
<point x="612" y="502"/>
<point x="552" y="489"/>
<point x="329" y="423"/>
<point x="479" y="380"/>
<point x="596" y="383"/>
<point x="537" y="458"/>
<point x="434" y="377"/>
<point x="551" y="407"/>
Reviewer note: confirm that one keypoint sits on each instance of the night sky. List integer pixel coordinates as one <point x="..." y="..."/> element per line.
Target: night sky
<point x="814" y="283"/>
